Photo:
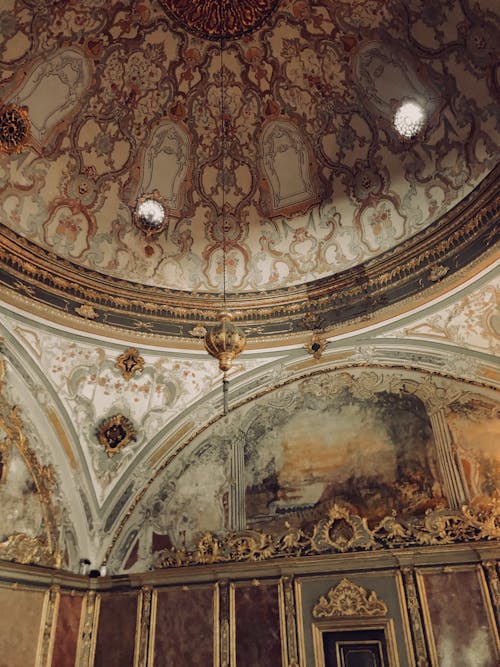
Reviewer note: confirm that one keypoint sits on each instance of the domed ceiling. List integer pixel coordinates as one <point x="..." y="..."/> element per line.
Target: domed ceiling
<point x="329" y="214"/>
<point x="356" y="258"/>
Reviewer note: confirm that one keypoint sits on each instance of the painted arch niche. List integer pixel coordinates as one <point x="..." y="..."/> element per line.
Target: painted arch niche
<point x="166" y="164"/>
<point x="359" y="441"/>
<point x="373" y="454"/>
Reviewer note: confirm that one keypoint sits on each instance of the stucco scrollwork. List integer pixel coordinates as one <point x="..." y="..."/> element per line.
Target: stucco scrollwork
<point x="349" y="599"/>
<point x="339" y="532"/>
<point x="40" y="548"/>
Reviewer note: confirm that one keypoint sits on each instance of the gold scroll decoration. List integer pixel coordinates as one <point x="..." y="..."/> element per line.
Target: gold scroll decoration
<point x="19" y="547"/>
<point x="349" y="599"/>
<point x="340" y="532"/>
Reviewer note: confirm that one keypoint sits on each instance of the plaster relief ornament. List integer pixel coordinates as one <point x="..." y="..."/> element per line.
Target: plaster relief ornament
<point x="316" y="346"/>
<point x="130" y="363"/>
<point x="115" y="432"/>
<point x="14" y="128"/>
<point x="213" y="19"/>
<point x="348" y="599"/>
<point x="87" y="311"/>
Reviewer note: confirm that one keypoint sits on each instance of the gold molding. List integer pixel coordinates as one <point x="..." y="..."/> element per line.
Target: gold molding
<point x="152" y="628"/>
<point x="226" y="612"/>
<point x="19" y="547"/>
<point x="340" y="532"/>
<point x="87" y="635"/>
<point x="288" y="616"/>
<point x="415" y="616"/>
<point x="143" y="627"/>
<point x="355" y="624"/>
<point x="48" y="626"/>
<point x="349" y="599"/>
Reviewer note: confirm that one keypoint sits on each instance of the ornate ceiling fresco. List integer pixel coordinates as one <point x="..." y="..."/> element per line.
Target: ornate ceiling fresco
<point x="362" y="267"/>
<point x="326" y="205"/>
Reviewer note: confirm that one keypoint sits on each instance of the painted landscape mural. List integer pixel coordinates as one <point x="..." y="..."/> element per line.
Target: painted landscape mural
<point x="475" y="428"/>
<point x="363" y="440"/>
<point x="373" y="455"/>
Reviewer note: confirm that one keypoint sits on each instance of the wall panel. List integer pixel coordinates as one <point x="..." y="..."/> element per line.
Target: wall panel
<point x="21" y="615"/>
<point x="115" y="643"/>
<point x="459" y="620"/>
<point x="257" y="625"/>
<point x="67" y="626"/>
<point x="184" y="629"/>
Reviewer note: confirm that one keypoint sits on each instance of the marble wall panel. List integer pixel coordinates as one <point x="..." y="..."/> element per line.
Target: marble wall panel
<point x="459" y="624"/>
<point x="257" y="626"/>
<point x="116" y="630"/>
<point x="21" y="616"/>
<point x="184" y="631"/>
<point x="67" y="627"/>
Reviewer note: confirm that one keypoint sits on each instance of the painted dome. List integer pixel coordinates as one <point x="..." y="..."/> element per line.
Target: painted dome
<point x="322" y="195"/>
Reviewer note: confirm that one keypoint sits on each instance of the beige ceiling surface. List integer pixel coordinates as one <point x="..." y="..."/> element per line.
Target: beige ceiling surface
<point x="316" y="180"/>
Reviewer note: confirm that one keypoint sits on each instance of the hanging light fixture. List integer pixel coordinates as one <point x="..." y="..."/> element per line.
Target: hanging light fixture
<point x="225" y="340"/>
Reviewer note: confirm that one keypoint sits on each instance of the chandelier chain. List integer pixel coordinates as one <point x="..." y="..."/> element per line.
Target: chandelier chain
<point x="223" y="151"/>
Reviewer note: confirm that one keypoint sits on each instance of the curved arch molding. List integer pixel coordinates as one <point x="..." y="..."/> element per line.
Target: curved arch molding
<point x="465" y="235"/>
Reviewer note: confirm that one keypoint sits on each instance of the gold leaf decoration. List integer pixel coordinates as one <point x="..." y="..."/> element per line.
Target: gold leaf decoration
<point x="14" y="128"/>
<point x="130" y="363"/>
<point x="316" y="346"/>
<point x="87" y="311"/>
<point x="115" y="432"/>
<point x="340" y="532"/>
<point x="349" y="599"/>
<point x="19" y="547"/>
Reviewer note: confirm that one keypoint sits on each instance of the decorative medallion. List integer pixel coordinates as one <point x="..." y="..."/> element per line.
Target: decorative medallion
<point x="130" y="363"/>
<point x="87" y="311"/>
<point x="316" y="346"/>
<point x="116" y="432"/>
<point x="348" y="599"/>
<point x="14" y="128"/>
<point x="216" y="19"/>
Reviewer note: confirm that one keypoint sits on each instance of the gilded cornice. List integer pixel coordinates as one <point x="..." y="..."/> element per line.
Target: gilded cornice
<point x="341" y="532"/>
<point x="428" y="260"/>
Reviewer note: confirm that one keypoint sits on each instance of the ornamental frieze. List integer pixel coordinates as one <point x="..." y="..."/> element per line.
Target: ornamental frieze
<point x="460" y="238"/>
<point x="341" y="532"/>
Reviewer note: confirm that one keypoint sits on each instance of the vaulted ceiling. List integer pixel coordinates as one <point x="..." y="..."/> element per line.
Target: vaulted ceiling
<point x="335" y="226"/>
